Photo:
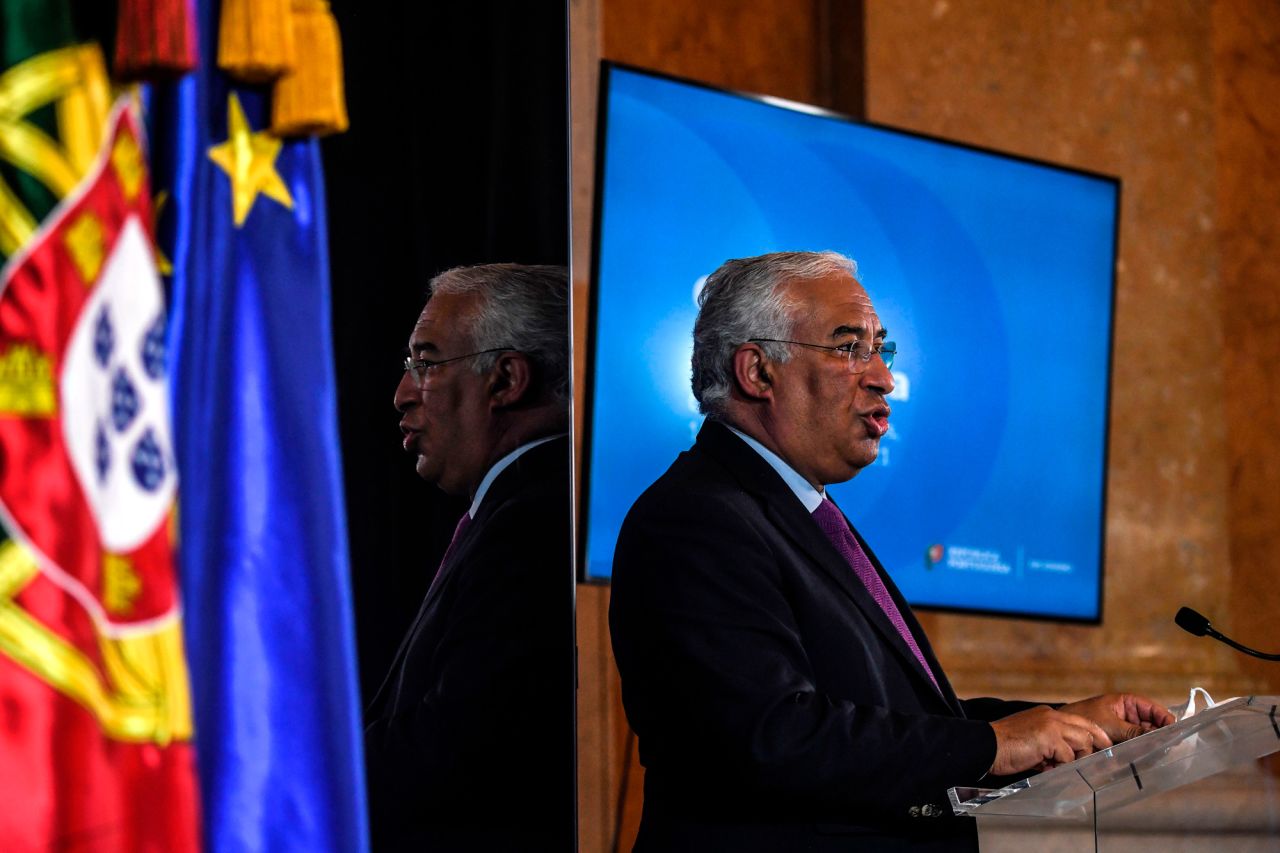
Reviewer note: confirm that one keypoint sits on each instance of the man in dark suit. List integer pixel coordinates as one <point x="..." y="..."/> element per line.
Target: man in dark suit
<point x="469" y="740"/>
<point x="783" y="694"/>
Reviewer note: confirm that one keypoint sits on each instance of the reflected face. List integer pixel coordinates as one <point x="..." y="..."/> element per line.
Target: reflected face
<point x="444" y="418"/>
<point x="828" y="419"/>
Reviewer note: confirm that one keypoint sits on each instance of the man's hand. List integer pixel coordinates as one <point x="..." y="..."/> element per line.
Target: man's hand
<point x="1122" y="715"/>
<point x="1040" y="738"/>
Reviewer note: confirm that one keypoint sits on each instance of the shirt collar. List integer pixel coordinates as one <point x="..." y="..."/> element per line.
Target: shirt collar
<point x="809" y="496"/>
<point x="499" y="467"/>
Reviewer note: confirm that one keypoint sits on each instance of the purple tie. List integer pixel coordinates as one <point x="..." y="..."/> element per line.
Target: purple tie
<point x="457" y="534"/>
<point x="834" y="526"/>
<point x="418" y="624"/>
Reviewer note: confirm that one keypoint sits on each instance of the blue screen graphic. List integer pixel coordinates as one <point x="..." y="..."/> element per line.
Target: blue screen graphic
<point x="994" y="276"/>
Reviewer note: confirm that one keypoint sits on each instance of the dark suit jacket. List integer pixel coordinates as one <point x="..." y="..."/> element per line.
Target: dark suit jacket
<point x="776" y="706"/>
<point x="469" y="741"/>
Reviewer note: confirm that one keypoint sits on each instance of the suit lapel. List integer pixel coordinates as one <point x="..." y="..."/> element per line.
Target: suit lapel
<point x="917" y="631"/>
<point x="542" y="461"/>
<point x="804" y="531"/>
<point x="390" y="684"/>
<point x="785" y="510"/>
<point x="798" y="526"/>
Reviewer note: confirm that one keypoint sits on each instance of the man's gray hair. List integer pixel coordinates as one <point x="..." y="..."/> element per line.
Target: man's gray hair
<point x="524" y="307"/>
<point x="746" y="298"/>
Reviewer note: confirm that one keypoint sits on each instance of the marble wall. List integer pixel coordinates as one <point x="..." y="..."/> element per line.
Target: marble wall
<point x="1246" y="57"/>
<point x="1138" y="90"/>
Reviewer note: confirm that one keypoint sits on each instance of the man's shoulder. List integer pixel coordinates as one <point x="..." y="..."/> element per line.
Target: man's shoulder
<point x="695" y="478"/>
<point x="522" y="526"/>
<point x="537" y="483"/>
<point x="701" y="503"/>
<point x="720" y="469"/>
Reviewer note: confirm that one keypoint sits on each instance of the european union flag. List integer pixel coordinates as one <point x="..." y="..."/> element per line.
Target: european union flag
<point x="263" y="557"/>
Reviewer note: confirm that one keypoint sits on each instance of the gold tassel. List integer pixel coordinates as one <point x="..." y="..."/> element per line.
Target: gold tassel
<point x="309" y="99"/>
<point x="255" y="39"/>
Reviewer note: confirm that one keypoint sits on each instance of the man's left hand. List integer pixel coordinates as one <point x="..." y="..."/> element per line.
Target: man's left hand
<point x="1122" y="715"/>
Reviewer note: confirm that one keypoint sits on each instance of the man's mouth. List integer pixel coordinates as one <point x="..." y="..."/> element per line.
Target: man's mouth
<point x="409" y="439"/>
<point x="877" y="421"/>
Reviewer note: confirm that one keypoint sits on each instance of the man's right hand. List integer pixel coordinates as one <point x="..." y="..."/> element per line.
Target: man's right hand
<point x="1040" y="738"/>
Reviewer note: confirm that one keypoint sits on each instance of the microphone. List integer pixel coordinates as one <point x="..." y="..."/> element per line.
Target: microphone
<point x="1193" y="623"/>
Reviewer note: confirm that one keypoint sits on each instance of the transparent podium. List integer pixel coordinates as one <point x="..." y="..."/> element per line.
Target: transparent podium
<point x="1080" y="799"/>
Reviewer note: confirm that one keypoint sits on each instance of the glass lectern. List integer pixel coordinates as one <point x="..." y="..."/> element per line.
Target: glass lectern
<point x="1084" y="793"/>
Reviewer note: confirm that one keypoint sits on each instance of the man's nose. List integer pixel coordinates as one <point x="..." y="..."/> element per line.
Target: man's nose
<point x="407" y="394"/>
<point x="877" y="377"/>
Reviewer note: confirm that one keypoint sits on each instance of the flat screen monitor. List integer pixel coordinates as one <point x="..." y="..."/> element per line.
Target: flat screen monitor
<point x="993" y="273"/>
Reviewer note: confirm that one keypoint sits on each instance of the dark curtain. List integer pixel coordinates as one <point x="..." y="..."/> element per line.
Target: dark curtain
<point x="457" y="154"/>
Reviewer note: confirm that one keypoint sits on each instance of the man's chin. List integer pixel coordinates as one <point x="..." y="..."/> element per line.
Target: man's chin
<point x="443" y="480"/>
<point x="426" y="470"/>
<point x="872" y="456"/>
<point x="864" y="456"/>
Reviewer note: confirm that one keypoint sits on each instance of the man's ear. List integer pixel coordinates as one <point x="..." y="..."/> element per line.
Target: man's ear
<point x="510" y="380"/>
<point x="751" y="373"/>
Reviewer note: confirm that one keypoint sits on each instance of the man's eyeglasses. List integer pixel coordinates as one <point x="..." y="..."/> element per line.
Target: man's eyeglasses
<point x="856" y="354"/>
<point x="419" y="366"/>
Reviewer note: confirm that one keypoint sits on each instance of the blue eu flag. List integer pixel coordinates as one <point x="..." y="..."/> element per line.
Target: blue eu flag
<point x="264" y="564"/>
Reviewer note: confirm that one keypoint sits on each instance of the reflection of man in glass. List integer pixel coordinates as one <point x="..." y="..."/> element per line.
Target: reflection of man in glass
<point x="469" y="739"/>
<point x="783" y="694"/>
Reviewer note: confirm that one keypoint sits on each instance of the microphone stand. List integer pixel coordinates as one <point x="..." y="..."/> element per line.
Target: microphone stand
<point x="1197" y="625"/>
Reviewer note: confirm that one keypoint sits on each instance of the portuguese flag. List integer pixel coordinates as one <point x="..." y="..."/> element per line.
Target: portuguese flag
<point x="95" y="715"/>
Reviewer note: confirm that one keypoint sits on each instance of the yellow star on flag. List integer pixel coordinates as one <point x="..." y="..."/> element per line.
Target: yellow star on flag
<point x="249" y="159"/>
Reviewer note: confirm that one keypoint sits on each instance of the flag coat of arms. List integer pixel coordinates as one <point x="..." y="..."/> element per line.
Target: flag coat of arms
<point x="107" y="686"/>
<point x="97" y="727"/>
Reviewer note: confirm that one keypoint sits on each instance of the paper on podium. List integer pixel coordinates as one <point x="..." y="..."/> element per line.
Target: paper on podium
<point x="1199" y="746"/>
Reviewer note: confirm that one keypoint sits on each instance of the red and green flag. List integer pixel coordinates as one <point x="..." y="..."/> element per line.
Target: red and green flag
<point x="95" y="712"/>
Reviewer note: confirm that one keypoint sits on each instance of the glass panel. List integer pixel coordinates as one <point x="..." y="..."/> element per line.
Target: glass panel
<point x="457" y="156"/>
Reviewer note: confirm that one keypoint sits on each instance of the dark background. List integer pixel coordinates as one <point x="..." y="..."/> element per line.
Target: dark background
<point x="457" y="154"/>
